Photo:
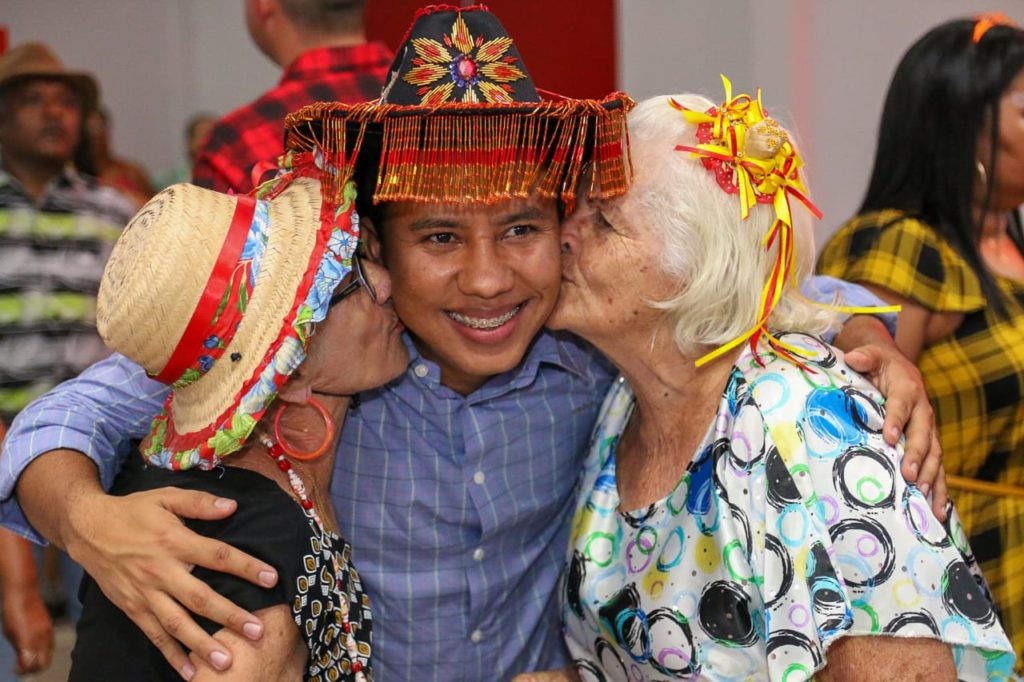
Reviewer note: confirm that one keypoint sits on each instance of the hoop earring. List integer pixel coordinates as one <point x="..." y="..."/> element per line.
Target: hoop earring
<point x="298" y="454"/>
<point x="980" y="167"/>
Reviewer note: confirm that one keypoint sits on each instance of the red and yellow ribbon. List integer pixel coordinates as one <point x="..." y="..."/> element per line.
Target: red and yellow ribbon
<point x="767" y="174"/>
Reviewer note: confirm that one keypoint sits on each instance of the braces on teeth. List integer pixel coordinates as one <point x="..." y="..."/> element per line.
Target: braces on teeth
<point x="477" y="323"/>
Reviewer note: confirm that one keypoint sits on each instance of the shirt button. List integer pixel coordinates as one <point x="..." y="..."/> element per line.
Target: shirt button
<point x="479" y="478"/>
<point x="478" y="554"/>
<point x="421" y="371"/>
<point x="476" y="637"/>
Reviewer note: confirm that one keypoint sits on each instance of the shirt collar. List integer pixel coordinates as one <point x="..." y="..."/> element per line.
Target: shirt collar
<point x="558" y="349"/>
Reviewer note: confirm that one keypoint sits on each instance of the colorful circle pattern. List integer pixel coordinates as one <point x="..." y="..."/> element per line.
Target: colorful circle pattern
<point x="791" y="527"/>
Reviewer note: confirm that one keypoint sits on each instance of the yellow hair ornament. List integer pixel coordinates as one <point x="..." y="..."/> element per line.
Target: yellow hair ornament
<point x="752" y="156"/>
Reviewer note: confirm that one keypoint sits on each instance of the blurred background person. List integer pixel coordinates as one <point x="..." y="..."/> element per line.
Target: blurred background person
<point x="58" y="227"/>
<point x="322" y="48"/>
<point x="27" y="646"/>
<point x="197" y="129"/>
<point x="931" y="235"/>
<point x="28" y="628"/>
<point x="128" y="177"/>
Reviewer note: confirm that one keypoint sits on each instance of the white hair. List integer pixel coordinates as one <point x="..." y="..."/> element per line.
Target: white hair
<point x="718" y="257"/>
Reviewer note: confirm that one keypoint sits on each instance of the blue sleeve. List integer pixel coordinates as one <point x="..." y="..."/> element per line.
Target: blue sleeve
<point x="831" y="290"/>
<point x="99" y="413"/>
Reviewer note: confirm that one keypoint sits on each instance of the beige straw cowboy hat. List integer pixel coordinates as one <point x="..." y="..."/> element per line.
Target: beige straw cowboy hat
<point x="35" y="60"/>
<point x="213" y="294"/>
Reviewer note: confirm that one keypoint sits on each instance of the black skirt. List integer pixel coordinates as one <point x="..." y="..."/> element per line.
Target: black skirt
<point x="314" y="577"/>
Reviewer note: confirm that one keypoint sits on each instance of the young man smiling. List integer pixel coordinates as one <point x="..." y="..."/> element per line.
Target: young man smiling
<point x="454" y="484"/>
<point x="477" y="281"/>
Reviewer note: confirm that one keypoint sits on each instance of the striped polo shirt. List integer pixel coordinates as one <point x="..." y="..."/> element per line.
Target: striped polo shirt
<point x="52" y="253"/>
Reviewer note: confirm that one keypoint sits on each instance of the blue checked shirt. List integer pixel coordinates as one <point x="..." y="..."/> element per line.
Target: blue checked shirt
<point x="458" y="507"/>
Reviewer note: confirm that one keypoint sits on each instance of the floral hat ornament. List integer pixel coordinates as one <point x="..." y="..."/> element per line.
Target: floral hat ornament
<point x="751" y="155"/>
<point x="460" y="120"/>
<point x="216" y="295"/>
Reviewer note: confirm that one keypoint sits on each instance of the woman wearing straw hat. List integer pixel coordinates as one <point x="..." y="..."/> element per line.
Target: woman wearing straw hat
<point x="236" y="301"/>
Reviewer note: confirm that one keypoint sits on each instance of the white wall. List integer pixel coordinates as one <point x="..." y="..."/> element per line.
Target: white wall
<point x="824" y="67"/>
<point x="157" y="61"/>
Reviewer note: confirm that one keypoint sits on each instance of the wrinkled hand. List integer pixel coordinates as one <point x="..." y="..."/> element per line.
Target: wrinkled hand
<point x="141" y="555"/>
<point x="908" y="411"/>
<point x="563" y="675"/>
<point x="27" y="626"/>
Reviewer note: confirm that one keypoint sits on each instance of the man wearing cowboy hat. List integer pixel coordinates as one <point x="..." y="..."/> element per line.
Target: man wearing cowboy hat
<point x="56" y="228"/>
<point x="454" y="483"/>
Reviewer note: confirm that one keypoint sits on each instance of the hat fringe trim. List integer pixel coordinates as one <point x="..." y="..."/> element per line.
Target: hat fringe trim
<point x="481" y="153"/>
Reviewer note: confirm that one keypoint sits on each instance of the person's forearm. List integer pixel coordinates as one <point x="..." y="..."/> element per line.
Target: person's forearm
<point x="52" y="489"/>
<point x="17" y="567"/>
<point x="829" y="290"/>
<point x="99" y="413"/>
<point x="863" y="330"/>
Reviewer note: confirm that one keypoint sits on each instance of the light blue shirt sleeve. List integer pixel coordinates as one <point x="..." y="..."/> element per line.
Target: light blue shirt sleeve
<point x="99" y="413"/>
<point x="825" y="289"/>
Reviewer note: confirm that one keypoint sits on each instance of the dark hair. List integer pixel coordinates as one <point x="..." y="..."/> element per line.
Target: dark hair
<point x="944" y="95"/>
<point x="365" y="177"/>
<point x="326" y="16"/>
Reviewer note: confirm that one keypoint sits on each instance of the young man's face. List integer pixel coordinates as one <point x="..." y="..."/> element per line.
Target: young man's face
<point x="472" y="283"/>
<point x="40" y="121"/>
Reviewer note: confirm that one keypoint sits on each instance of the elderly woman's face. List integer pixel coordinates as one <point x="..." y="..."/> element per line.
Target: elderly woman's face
<point x="359" y="346"/>
<point x="609" y="273"/>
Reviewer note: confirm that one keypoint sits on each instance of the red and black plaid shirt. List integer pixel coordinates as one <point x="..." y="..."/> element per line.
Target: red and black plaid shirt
<point x="255" y="132"/>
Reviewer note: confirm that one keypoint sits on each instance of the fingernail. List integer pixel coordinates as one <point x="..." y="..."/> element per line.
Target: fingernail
<point x="267" y="578"/>
<point x="924" y="489"/>
<point x="188" y="671"/>
<point x="252" y="630"/>
<point x="914" y="466"/>
<point x="219" y="659"/>
<point x="223" y="503"/>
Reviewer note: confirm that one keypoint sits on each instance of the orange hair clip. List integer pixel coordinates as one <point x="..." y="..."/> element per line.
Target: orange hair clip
<point x="986" y="21"/>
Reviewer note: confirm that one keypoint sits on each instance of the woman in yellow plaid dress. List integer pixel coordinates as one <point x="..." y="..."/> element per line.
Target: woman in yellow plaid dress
<point x="934" y="234"/>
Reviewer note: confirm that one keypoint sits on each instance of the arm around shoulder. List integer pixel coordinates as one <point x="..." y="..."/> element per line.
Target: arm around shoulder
<point x="96" y="415"/>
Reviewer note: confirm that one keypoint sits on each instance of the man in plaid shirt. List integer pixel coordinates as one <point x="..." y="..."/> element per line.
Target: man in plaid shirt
<point x="322" y="48"/>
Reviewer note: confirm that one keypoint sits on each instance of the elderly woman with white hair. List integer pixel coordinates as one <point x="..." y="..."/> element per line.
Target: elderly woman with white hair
<point x="740" y="515"/>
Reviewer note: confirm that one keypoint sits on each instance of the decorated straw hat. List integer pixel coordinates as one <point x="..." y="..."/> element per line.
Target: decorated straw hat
<point x="34" y="60"/>
<point x="214" y="295"/>
<point x="460" y="120"/>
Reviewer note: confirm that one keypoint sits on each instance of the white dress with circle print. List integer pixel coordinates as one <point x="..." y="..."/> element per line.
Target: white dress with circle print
<point x="791" y="527"/>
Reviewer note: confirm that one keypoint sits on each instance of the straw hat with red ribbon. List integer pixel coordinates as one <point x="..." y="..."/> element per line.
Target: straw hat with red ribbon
<point x="216" y="295"/>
